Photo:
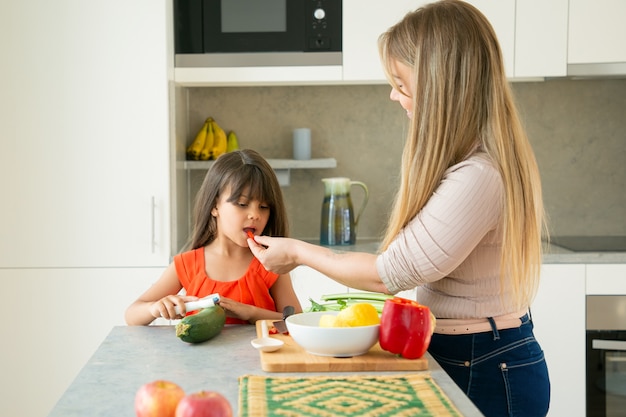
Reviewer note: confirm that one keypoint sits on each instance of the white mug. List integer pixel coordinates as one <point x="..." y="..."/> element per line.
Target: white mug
<point x="302" y="143"/>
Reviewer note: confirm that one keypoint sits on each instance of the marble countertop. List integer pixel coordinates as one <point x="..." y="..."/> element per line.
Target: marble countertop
<point x="553" y="254"/>
<point x="131" y="356"/>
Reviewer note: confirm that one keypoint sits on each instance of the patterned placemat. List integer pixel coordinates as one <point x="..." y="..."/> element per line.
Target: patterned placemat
<point x="407" y="395"/>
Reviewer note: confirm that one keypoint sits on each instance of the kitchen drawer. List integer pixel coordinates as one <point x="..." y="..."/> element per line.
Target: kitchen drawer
<point x="606" y="279"/>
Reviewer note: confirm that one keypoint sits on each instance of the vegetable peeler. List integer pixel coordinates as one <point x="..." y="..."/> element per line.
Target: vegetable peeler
<point x="208" y="301"/>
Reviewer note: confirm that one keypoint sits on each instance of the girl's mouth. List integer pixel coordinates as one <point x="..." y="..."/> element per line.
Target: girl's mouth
<point x="249" y="231"/>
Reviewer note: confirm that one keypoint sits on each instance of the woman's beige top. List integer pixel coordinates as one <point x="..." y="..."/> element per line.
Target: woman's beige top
<point x="451" y="249"/>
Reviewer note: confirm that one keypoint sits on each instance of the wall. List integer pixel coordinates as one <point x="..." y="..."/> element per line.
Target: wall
<point x="578" y="131"/>
<point x="576" y="127"/>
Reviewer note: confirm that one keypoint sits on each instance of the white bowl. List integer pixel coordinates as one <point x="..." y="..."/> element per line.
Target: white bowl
<point x="330" y="341"/>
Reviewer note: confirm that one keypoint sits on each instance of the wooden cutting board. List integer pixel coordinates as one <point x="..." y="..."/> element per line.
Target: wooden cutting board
<point x="292" y="358"/>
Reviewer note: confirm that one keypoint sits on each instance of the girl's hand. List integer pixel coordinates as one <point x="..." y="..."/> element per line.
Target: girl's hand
<point x="236" y="309"/>
<point x="276" y="254"/>
<point x="166" y="306"/>
<point x="246" y="312"/>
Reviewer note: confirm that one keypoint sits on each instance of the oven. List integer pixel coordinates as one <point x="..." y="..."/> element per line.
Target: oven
<point x="606" y="355"/>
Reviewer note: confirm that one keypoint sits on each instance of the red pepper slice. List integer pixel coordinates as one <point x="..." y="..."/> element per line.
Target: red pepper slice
<point x="405" y="328"/>
<point x="250" y="234"/>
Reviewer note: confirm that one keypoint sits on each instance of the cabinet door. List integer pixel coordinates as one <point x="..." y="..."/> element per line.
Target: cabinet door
<point x="311" y="285"/>
<point x="363" y="22"/>
<point x="559" y="317"/>
<point x="84" y="166"/>
<point x="55" y="320"/>
<point x="501" y="15"/>
<point x="596" y="31"/>
<point x="541" y="38"/>
<point x="606" y="279"/>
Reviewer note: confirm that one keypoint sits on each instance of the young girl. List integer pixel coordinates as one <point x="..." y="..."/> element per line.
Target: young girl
<point x="240" y="194"/>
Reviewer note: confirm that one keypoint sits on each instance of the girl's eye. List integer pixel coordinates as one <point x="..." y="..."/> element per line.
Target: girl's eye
<point x="264" y="206"/>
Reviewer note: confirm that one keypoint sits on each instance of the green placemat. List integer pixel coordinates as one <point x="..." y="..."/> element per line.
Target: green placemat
<point x="410" y="395"/>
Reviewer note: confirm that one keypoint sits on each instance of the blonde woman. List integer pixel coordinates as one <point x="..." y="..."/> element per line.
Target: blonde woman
<point x="467" y="221"/>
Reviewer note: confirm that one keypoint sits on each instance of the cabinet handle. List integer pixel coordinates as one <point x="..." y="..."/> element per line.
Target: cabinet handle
<point x="608" y="344"/>
<point x="152" y="216"/>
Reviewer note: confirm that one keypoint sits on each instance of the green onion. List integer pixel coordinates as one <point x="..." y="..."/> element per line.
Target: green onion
<point x="371" y="296"/>
<point x="337" y="302"/>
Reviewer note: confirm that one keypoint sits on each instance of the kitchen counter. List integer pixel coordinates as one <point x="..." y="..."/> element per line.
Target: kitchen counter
<point x="558" y="255"/>
<point x="553" y="254"/>
<point x="131" y="356"/>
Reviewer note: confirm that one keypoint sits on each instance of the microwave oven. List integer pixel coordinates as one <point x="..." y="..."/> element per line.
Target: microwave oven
<point x="236" y="33"/>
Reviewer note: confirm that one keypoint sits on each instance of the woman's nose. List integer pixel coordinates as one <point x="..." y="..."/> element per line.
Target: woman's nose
<point x="393" y="95"/>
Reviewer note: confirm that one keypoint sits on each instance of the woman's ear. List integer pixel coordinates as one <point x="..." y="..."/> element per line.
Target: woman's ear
<point x="214" y="212"/>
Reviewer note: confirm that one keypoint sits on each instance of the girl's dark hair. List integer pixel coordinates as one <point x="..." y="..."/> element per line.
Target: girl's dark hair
<point x="240" y="170"/>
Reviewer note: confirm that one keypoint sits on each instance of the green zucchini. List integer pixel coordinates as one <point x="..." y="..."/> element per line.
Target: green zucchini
<point x="202" y="326"/>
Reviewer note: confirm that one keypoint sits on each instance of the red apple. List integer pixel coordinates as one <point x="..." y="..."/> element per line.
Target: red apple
<point x="204" y="404"/>
<point x="158" y="399"/>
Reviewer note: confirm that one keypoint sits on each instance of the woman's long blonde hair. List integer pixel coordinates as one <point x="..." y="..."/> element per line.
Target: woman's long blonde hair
<point x="461" y="99"/>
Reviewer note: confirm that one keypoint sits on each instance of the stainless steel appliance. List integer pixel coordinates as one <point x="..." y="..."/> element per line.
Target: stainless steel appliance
<point x="606" y="355"/>
<point x="230" y="33"/>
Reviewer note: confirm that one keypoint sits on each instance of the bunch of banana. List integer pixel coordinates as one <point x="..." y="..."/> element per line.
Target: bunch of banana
<point x="207" y="149"/>
<point x="211" y="142"/>
<point x="220" y="144"/>
<point x="194" y="149"/>
<point x="232" y="144"/>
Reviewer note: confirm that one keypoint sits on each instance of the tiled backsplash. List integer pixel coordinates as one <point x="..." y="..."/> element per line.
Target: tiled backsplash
<point x="577" y="127"/>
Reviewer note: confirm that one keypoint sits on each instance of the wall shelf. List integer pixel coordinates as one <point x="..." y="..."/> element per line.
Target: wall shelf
<point x="282" y="167"/>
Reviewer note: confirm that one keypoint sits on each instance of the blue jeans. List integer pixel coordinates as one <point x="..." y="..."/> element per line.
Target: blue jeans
<point x="503" y="372"/>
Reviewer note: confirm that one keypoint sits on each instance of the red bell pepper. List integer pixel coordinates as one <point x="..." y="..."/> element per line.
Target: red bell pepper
<point x="405" y="328"/>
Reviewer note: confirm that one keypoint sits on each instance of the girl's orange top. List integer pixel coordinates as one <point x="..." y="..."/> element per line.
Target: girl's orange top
<point x="252" y="288"/>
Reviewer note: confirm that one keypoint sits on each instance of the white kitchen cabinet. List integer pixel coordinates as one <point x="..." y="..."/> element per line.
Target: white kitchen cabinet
<point x="558" y="313"/>
<point x="541" y="38"/>
<point x="84" y="166"/>
<point x="538" y="39"/>
<point x="54" y="321"/>
<point x="501" y="15"/>
<point x="310" y="284"/>
<point x="596" y="32"/>
<point x="252" y="76"/>
<point x="606" y="279"/>
<point x="363" y="22"/>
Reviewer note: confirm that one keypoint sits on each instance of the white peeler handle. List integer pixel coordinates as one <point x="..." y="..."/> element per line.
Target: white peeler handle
<point x="208" y="301"/>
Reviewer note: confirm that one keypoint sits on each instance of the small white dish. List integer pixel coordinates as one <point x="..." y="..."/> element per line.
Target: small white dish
<point x="266" y="343"/>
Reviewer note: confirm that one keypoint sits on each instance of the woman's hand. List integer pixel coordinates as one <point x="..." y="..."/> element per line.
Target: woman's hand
<point x="276" y="254"/>
<point x="166" y="306"/>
